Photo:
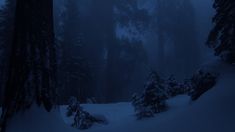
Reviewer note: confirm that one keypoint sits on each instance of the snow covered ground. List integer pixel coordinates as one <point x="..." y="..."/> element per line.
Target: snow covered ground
<point x="121" y="116"/>
<point x="213" y="112"/>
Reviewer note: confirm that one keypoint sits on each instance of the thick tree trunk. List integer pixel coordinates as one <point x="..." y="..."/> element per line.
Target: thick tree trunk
<point x="32" y="68"/>
<point x="6" y="35"/>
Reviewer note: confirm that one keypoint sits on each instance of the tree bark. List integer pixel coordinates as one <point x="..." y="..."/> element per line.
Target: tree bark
<point x="32" y="68"/>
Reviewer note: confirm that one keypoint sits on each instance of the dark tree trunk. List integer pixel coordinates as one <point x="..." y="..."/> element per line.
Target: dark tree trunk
<point x="32" y="68"/>
<point x="6" y="36"/>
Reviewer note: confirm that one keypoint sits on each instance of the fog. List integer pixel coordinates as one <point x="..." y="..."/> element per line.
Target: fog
<point x="107" y="48"/>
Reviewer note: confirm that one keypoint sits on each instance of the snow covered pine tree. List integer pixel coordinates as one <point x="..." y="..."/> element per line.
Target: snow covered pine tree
<point x="153" y="99"/>
<point x="173" y="87"/>
<point x="141" y="111"/>
<point x="155" y="93"/>
<point x="222" y="36"/>
<point x="73" y="106"/>
<point x="201" y="82"/>
<point x="82" y="119"/>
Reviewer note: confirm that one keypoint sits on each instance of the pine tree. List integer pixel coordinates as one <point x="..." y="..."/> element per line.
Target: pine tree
<point x="172" y="86"/>
<point x="82" y="119"/>
<point x="141" y="111"/>
<point x="73" y="106"/>
<point x="201" y="82"/>
<point x="125" y="14"/>
<point x="75" y="70"/>
<point x="174" y="25"/>
<point x="32" y="68"/>
<point x="153" y="100"/>
<point x="222" y="36"/>
<point x="155" y="93"/>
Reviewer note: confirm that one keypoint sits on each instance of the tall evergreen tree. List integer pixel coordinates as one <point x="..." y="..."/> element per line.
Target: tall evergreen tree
<point x="125" y="14"/>
<point x="32" y="68"/>
<point x="222" y="36"/>
<point x="75" y="69"/>
<point x="133" y="61"/>
<point x="174" y="23"/>
<point x="94" y="39"/>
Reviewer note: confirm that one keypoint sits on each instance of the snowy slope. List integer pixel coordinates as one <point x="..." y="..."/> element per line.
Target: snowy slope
<point x="213" y="112"/>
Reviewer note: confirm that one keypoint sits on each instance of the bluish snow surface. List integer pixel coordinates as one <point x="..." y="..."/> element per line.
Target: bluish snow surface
<point x="213" y="112"/>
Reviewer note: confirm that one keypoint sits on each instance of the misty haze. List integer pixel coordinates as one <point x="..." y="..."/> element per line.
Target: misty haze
<point x="117" y="65"/>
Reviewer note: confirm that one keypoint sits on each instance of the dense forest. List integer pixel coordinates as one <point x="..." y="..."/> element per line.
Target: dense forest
<point x="72" y="52"/>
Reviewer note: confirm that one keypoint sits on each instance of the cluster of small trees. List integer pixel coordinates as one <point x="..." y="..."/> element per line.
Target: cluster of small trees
<point x="158" y="90"/>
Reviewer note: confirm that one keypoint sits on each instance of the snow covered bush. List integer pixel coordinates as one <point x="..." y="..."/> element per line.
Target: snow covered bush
<point x="202" y="82"/>
<point x="155" y="93"/>
<point x="141" y="111"/>
<point x="153" y="100"/>
<point x="158" y="90"/>
<point x="73" y="106"/>
<point x="175" y="88"/>
<point x="82" y="119"/>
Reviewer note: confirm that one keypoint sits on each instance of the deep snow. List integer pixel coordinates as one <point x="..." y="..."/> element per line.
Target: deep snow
<point x="121" y="116"/>
<point x="212" y="112"/>
<point x="38" y="120"/>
